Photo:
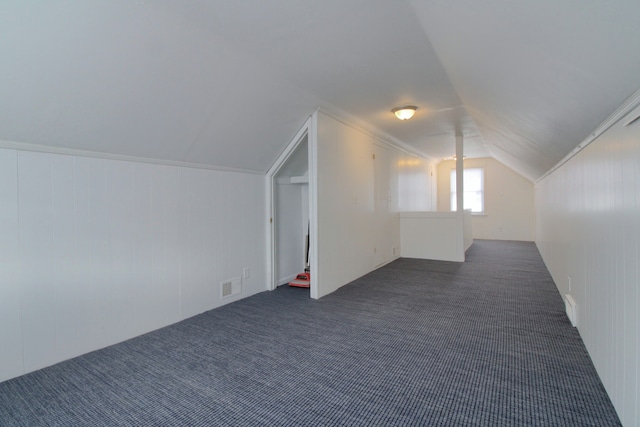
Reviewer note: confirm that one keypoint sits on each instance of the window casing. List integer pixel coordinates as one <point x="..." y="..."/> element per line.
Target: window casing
<point x="473" y="181"/>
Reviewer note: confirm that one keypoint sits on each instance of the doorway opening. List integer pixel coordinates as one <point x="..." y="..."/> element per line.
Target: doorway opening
<point x="291" y="219"/>
<point x="290" y="234"/>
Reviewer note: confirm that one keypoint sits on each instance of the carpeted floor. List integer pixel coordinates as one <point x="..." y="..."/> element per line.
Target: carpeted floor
<point x="484" y="343"/>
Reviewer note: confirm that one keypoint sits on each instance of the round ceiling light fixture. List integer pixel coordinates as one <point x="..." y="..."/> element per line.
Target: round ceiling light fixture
<point x="405" y="113"/>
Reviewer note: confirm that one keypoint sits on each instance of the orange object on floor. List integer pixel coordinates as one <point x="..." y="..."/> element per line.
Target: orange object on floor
<point x="302" y="280"/>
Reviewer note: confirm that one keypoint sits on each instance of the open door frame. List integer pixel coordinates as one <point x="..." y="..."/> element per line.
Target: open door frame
<point x="308" y="129"/>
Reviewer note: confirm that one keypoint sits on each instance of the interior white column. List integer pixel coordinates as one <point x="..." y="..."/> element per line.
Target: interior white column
<point x="459" y="197"/>
<point x="459" y="175"/>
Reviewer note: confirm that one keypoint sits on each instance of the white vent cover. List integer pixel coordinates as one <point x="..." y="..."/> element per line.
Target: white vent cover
<point x="227" y="288"/>
<point x="231" y="287"/>
<point x="570" y="307"/>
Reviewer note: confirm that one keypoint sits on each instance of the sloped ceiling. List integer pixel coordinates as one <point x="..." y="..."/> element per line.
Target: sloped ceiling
<point x="227" y="83"/>
<point x="536" y="76"/>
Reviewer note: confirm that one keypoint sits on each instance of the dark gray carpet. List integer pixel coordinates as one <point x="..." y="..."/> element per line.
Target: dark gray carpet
<point x="484" y="343"/>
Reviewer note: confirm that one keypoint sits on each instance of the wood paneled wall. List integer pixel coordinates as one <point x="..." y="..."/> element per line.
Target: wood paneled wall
<point x="95" y="251"/>
<point x="588" y="231"/>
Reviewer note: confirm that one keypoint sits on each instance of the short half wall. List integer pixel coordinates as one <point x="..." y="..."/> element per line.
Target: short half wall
<point x="434" y="235"/>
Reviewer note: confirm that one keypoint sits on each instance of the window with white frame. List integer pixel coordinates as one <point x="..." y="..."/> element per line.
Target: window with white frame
<point x="473" y="182"/>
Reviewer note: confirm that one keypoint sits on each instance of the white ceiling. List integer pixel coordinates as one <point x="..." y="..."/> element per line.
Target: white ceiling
<point x="227" y="83"/>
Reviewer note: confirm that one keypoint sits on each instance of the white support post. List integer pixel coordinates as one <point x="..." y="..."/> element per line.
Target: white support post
<point x="460" y="196"/>
<point x="459" y="175"/>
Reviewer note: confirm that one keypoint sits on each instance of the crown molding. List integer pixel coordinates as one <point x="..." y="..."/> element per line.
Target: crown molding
<point x="23" y="146"/>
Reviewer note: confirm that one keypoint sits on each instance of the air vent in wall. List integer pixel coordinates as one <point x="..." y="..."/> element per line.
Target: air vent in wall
<point x="226" y="289"/>
<point x="231" y="287"/>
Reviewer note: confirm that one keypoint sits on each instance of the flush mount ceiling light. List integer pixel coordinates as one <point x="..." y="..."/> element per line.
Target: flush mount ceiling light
<point x="405" y="113"/>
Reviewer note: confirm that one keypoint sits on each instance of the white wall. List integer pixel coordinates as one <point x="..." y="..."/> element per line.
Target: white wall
<point x="443" y="236"/>
<point x="96" y="251"/>
<point x="467" y="229"/>
<point x="11" y="363"/>
<point x="588" y="215"/>
<point x="417" y="184"/>
<point x="509" y="201"/>
<point x="358" y="201"/>
<point x="430" y="235"/>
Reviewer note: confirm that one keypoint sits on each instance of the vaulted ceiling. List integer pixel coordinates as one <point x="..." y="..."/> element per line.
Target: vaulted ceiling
<point x="227" y="83"/>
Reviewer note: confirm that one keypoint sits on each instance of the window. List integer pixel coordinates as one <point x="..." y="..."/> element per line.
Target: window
<point x="473" y="181"/>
